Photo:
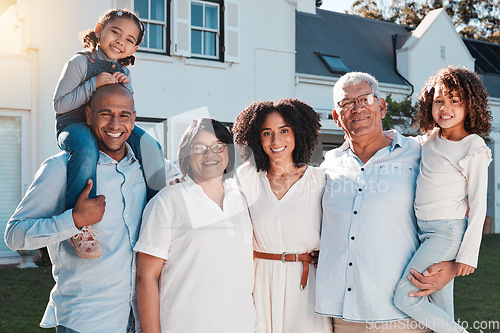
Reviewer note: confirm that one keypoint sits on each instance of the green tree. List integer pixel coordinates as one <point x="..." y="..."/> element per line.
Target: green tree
<point x="367" y="8"/>
<point x="477" y="19"/>
<point x="400" y="115"/>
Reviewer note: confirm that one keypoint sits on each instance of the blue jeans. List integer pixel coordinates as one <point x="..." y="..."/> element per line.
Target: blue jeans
<point x="80" y="143"/>
<point x="440" y="241"/>
<point x="78" y="140"/>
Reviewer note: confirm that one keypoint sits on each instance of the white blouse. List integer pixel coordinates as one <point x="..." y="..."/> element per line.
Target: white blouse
<point x="206" y="282"/>
<point x="450" y="171"/>
<point x="291" y="224"/>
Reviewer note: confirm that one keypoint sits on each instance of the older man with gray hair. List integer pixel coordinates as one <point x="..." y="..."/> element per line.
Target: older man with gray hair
<point x="369" y="231"/>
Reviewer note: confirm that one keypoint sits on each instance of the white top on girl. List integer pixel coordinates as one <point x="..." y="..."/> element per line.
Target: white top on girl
<point x="450" y="171"/>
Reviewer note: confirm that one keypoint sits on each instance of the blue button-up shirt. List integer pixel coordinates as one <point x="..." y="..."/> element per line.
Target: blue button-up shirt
<point x="90" y="295"/>
<point x="369" y="230"/>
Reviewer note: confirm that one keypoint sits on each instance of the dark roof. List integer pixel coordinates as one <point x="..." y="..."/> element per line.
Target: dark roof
<point x="487" y="56"/>
<point x="487" y="63"/>
<point x="362" y="44"/>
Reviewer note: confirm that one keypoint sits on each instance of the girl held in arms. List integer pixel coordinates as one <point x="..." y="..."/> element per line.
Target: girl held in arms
<point x="454" y="112"/>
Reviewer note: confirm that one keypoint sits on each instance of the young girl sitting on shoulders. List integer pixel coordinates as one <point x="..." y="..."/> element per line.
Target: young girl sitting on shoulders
<point x="110" y="46"/>
<point x="453" y="110"/>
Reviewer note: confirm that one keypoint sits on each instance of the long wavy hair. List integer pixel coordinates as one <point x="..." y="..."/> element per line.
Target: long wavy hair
<point x="472" y="93"/>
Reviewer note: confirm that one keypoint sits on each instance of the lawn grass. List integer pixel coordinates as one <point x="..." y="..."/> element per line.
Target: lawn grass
<point x="23" y="297"/>
<point x="24" y="294"/>
<point x="477" y="296"/>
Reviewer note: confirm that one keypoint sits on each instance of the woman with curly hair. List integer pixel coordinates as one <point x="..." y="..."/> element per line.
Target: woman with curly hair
<point x="454" y="165"/>
<point x="284" y="195"/>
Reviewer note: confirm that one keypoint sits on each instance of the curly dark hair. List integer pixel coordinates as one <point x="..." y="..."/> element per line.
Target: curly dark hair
<point x="472" y="93"/>
<point x="213" y="126"/>
<point x="90" y="40"/>
<point x="303" y="120"/>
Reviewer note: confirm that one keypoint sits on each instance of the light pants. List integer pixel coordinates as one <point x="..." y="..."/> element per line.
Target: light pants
<point x="440" y="241"/>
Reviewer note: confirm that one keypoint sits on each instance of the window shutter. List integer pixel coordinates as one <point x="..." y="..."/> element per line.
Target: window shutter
<point x="10" y="170"/>
<point x="124" y="4"/>
<point x="181" y="41"/>
<point x="231" y="33"/>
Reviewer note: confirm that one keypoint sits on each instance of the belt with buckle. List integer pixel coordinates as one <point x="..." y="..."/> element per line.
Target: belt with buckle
<point x="305" y="258"/>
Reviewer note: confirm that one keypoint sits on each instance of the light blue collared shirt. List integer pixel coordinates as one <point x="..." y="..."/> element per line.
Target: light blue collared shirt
<point x="369" y="231"/>
<point x="90" y="295"/>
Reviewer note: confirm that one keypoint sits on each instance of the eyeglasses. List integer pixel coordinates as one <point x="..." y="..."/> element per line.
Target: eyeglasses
<point x="363" y="100"/>
<point x="216" y="148"/>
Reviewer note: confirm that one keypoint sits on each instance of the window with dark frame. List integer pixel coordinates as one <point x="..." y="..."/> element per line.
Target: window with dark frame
<point x="155" y="14"/>
<point x="206" y="29"/>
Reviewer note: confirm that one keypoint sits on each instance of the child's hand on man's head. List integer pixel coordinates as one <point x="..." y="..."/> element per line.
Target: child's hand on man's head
<point x="464" y="269"/>
<point x="121" y="78"/>
<point x="105" y="78"/>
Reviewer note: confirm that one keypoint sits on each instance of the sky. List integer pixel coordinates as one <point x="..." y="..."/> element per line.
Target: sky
<point x="337" y="5"/>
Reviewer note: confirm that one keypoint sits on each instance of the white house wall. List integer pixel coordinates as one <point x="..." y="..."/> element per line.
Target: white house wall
<point x="19" y="68"/>
<point x="166" y="86"/>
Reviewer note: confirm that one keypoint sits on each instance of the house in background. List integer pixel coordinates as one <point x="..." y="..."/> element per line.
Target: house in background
<point x="401" y="58"/>
<point x="210" y="58"/>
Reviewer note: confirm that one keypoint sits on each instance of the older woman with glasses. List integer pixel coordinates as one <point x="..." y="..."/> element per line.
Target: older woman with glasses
<point x="194" y="263"/>
<point x="284" y="197"/>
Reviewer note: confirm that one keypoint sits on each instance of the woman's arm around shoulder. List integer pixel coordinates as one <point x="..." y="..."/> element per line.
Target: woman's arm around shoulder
<point x="245" y="176"/>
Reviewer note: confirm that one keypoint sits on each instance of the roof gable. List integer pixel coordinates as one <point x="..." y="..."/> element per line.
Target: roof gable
<point x="436" y="25"/>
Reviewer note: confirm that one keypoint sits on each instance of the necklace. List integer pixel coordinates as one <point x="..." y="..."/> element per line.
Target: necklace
<point x="275" y="190"/>
<point x="283" y="179"/>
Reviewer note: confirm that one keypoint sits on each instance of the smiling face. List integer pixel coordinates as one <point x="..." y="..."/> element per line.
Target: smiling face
<point x="361" y="121"/>
<point x="118" y="37"/>
<point x="448" y="112"/>
<point x="111" y="118"/>
<point x="208" y="165"/>
<point x="277" y="138"/>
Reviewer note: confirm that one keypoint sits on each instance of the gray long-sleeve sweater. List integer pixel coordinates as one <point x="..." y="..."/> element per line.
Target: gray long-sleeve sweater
<point x="73" y="91"/>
